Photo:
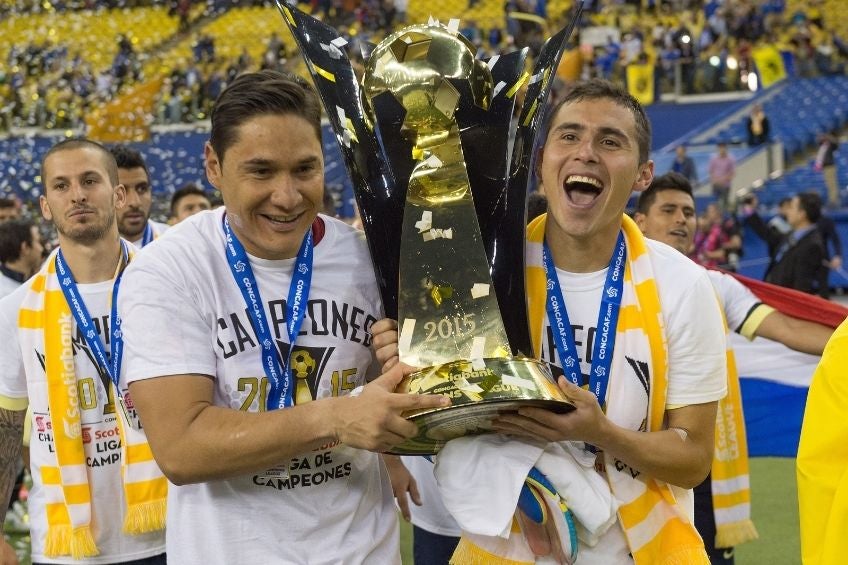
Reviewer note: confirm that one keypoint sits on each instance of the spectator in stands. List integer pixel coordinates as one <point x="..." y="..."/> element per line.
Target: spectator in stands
<point x="757" y="125"/>
<point x="9" y="209"/>
<point x="826" y="163"/>
<point x="778" y="223"/>
<point x="685" y="165"/>
<point x="188" y="201"/>
<point x="183" y="11"/>
<point x="712" y="240"/>
<point x="21" y="253"/>
<point x="134" y="221"/>
<point x="801" y="254"/>
<point x="722" y="169"/>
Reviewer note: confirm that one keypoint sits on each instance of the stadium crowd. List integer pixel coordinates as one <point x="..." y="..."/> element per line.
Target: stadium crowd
<point x="691" y="47"/>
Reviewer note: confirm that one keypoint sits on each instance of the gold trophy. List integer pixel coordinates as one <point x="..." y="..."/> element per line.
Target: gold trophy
<point x="425" y="139"/>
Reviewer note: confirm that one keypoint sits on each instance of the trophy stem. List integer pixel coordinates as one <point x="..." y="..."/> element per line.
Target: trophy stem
<point x="447" y="304"/>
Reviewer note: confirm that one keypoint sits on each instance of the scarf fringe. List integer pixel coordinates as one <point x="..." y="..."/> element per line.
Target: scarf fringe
<point x="145" y="517"/>
<point x="735" y="533"/>
<point x="467" y="553"/>
<point x="62" y="541"/>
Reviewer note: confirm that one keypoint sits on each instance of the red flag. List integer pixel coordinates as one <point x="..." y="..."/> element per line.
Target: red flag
<point x="795" y="303"/>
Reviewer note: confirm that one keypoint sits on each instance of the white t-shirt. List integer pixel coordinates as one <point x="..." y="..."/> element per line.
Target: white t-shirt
<point x="696" y="352"/>
<point x="696" y="361"/>
<point x="22" y="376"/>
<point x="158" y="229"/>
<point x="7" y="285"/>
<point x="432" y="515"/>
<point x="742" y="309"/>
<point x="183" y="314"/>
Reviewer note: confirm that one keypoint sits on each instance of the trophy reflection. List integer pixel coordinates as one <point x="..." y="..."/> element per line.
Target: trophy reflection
<point x="426" y="141"/>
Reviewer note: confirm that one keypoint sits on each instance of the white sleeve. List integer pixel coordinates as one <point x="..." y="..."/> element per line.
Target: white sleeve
<point x="165" y="332"/>
<point x="13" y="384"/>
<point x="697" y="356"/>
<point x="738" y="302"/>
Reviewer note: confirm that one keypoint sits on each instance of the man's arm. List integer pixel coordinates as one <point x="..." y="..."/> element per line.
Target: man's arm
<point x="800" y="335"/>
<point x="193" y="440"/>
<point x="756" y="223"/>
<point x="11" y="436"/>
<point x="680" y="455"/>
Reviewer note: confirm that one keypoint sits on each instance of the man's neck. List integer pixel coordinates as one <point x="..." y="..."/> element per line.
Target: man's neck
<point x="94" y="262"/>
<point x="19" y="266"/>
<point x="801" y="226"/>
<point x="137" y="239"/>
<point x="580" y="254"/>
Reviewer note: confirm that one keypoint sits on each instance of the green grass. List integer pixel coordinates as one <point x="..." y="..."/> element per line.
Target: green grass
<point x="405" y="542"/>
<point x="774" y="507"/>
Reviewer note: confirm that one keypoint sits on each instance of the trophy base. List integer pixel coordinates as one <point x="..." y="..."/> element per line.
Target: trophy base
<point x="480" y="392"/>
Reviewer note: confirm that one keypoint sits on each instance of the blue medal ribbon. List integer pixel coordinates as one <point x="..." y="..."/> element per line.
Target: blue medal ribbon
<point x="148" y="234"/>
<point x="599" y="372"/>
<point x="110" y="363"/>
<point x="279" y="376"/>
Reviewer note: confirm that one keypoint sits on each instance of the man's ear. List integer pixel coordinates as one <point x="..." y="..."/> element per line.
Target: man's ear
<point x="213" y="165"/>
<point x="120" y="196"/>
<point x="640" y="219"/>
<point x="645" y="177"/>
<point x="537" y="164"/>
<point x="45" y="209"/>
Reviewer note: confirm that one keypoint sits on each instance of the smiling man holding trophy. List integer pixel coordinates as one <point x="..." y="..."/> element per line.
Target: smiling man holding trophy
<point x="606" y="460"/>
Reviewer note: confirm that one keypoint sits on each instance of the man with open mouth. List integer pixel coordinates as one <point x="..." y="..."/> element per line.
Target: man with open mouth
<point x="629" y="319"/>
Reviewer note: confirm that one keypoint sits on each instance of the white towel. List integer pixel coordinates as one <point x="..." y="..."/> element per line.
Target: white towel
<point x="480" y="479"/>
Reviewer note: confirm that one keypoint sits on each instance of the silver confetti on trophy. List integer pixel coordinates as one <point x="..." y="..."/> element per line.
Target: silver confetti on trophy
<point x="425" y="138"/>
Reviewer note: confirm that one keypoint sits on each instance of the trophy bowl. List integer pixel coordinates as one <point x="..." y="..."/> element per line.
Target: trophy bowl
<point x="479" y="391"/>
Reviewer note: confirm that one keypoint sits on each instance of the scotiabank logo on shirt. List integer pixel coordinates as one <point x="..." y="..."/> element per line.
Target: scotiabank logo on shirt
<point x="102" y="440"/>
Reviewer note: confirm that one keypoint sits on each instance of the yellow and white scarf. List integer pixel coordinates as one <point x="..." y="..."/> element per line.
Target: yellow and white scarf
<point x="657" y="529"/>
<point x="730" y="482"/>
<point x="46" y="324"/>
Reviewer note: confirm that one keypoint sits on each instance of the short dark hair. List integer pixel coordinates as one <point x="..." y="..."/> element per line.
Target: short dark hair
<point x="811" y="204"/>
<point x="261" y="93"/>
<point x="81" y="143"/>
<point x="128" y="158"/>
<point x="597" y="89"/>
<point x="537" y="204"/>
<point x="668" y="181"/>
<point x="13" y="234"/>
<point x="186" y="190"/>
<point x="8" y="203"/>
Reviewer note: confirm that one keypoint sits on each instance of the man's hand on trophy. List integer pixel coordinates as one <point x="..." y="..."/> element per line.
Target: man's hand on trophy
<point x="384" y="336"/>
<point x="403" y="484"/>
<point x="373" y="419"/>
<point x="585" y="423"/>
